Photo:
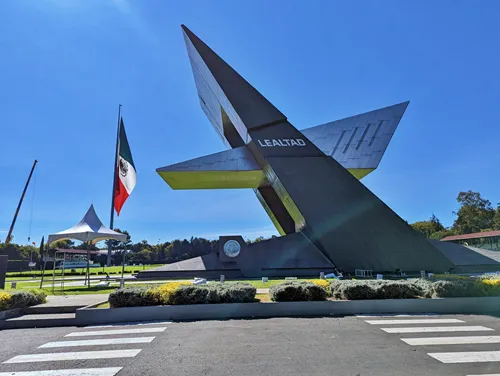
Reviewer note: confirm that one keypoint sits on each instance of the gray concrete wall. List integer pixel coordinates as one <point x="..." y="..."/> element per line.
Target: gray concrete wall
<point x="287" y="309"/>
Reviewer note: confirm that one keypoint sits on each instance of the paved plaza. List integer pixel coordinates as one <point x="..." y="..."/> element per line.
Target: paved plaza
<point x="338" y="346"/>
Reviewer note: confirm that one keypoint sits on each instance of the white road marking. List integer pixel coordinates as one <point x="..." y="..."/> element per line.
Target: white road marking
<point x="376" y="315"/>
<point x="116" y="331"/>
<point x="488" y="374"/>
<point x="98" y="342"/>
<point x="413" y="321"/>
<point x="111" y="371"/>
<point x="436" y="329"/>
<point x="467" y="357"/>
<point x="77" y="355"/>
<point x="451" y="340"/>
<point x="130" y="323"/>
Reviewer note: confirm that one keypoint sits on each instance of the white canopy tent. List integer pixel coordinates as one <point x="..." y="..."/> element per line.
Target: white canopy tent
<point x="89" y="230"/>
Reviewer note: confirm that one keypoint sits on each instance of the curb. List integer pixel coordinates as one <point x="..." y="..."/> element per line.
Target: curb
<point x="40" y="323"/>
<point x="480" y="305"/>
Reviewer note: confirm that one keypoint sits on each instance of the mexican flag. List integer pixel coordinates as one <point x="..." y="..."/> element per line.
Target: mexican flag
<point x="125" y="177"/>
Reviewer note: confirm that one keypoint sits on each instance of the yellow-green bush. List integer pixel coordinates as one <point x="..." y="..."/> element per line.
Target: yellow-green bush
<point x="21" y="299"/>
<point x="5" y="299"/>
<point x="320" y="282"/>
<point x="164" y="292"/>
<point x="451" y="277"/>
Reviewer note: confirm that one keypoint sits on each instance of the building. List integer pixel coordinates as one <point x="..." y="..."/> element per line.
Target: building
<point x="306" y="180"/>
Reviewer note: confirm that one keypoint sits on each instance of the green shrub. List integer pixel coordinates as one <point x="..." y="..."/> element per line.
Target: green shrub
<point x="297" y="291"/>
<point x="398" y="290"/>
<point x="23" y="299"/>
<point x="193" y="294"/>
<point x="423" y="285"/>
<point x="232" y="292"/>
<point x="379" y="289"/>
<point x="214" y="293"/>
<point x="415" y="288"/>
<point x="358" y="290"/>
<point x="133" y="297"/>
<point x="458" y="288"/>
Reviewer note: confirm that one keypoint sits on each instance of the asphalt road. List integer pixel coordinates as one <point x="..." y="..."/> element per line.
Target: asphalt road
<point x="331" y="346"/>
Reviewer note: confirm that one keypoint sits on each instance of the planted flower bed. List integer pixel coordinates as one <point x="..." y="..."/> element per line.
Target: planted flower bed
<point x="183" y="294"/>
<point x="181" y="301"/>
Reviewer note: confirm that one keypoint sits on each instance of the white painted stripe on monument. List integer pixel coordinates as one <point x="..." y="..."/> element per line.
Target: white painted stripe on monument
<point x="436" y="329"/>
<point x="98" y="342"/>
<point x="413" y="321"/>
<point x="467" y="357"/>
<point x="110" y="371"/>
<point x="451" y="340"/>
<point x="77" y="355"/>
<point x="117" y="331"/>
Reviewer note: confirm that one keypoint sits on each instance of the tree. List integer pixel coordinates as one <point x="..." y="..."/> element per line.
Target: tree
<point x="63" y="244"/>
<point x="429" y="227"/>
<point x="438" y="235"/>
<point x="116" y="245"/>
<point x="496" y="218"/>
<point x="475" y="213"/>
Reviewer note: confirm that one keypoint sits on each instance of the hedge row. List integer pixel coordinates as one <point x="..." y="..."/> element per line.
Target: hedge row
<point x="21" y="299"/>
<point x="181" y="293"/>
<point x="417" y="288"/>
<point x="294" y="291"/>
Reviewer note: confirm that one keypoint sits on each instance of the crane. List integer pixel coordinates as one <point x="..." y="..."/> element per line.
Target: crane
<point x="9" y="235"/>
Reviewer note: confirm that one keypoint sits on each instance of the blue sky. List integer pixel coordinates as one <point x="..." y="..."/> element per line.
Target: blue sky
<point x="66" y="64"/>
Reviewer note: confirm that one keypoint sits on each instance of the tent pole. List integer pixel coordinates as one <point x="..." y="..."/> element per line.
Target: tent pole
<point x="122" y="284"/>
<point x="88" y="264"/>
<point x="54" y="270"/>
<point x="44" y="266"/>
<point x="43" y="272"/>
<point x="62" y="272"/>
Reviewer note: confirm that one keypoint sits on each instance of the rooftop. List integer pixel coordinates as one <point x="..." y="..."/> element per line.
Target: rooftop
<point x="476" y="235"/>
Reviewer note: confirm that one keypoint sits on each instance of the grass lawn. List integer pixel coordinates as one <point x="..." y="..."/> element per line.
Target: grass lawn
<point x="77" y="290"/>
<point x="71" y="290"/>
<point x="257" y="283"/>
<point x="263" y="298"/>
<point x="16" y="276"/>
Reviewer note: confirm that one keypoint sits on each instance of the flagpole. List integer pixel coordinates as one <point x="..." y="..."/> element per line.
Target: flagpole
<point x="112" y="215"/>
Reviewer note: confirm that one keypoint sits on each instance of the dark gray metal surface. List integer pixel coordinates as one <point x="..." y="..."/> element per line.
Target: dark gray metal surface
<point x="332" y="220"/>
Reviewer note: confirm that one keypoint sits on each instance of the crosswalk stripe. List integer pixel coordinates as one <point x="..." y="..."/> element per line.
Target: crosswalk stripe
<point x="467" y="357"/>
<point x="413" y="321"/>
<point x="77" y="355"/>
<point x="116" y="331"/>
<point x="377" y="315"/>
<point x="130" y="323"/>
<point x="451" y="340"/>
<point x="109" y="371"/>
<point x="98" y="342"/>
<point x="436" y="329"/>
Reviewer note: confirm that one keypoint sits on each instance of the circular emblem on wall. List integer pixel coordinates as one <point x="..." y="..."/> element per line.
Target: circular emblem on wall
<point x="232" y="248"/>
<point x="123" y="167"/>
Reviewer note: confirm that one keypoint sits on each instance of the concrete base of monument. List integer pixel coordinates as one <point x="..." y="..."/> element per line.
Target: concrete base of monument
<point x="479" y="305"/>
<point x="294" y="256"/>
<point x="290" y="255"/>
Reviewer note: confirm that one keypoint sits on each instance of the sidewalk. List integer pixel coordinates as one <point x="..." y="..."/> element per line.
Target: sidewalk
<point x="73" y="300"/>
